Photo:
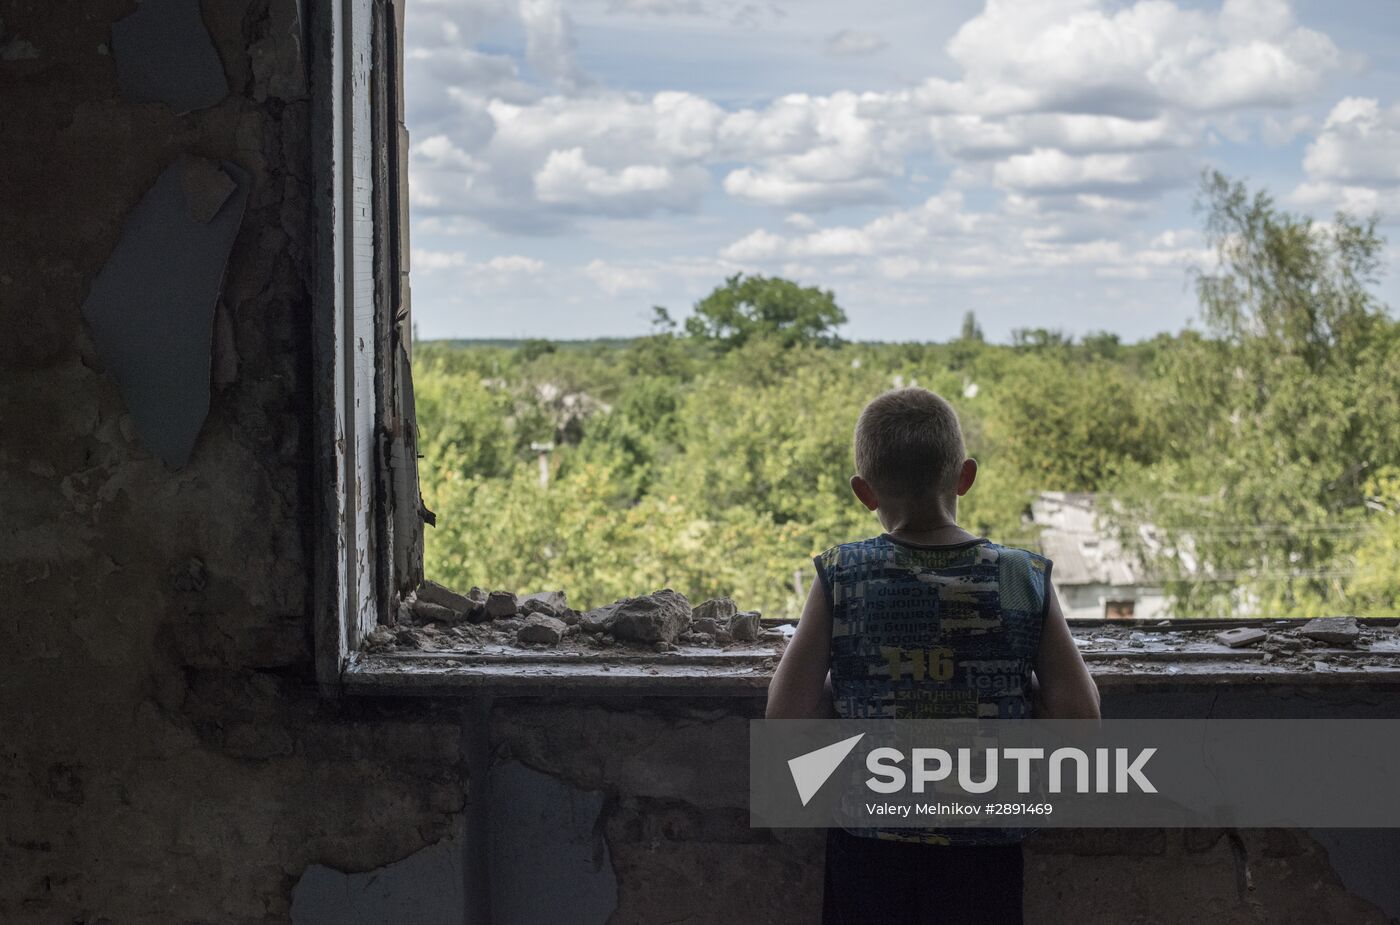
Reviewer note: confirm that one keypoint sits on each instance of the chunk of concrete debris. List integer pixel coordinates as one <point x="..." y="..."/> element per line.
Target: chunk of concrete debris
<point x="477" y="598"/>
<point x="598" y="620"/>
<point x="719" y="610"/>
<point x="500" y="604"/>
<point x="428" y="612"/>
<point x="706" y="625"/>
<point x="1241" y="636"/>
<point x="659" y="616"/>
<point x="744" y="626"/>
<point x="549" y="603"/>
<point x="1337" y="631"/>
<point x="540" y="629"/>
<point x="434" y="593"/>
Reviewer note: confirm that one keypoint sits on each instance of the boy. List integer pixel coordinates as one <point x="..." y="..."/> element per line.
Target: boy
<point x="958" y="608"/>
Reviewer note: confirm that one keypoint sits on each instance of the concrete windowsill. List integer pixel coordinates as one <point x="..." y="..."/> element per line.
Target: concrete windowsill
<point x="1132" y="655"/>
<point x="528" y="675"/>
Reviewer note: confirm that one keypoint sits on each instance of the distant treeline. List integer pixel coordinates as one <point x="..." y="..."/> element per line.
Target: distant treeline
<point x="1254" y="466"/>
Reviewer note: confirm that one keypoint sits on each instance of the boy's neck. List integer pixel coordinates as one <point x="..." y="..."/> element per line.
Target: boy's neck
<point x="932" y="526"/>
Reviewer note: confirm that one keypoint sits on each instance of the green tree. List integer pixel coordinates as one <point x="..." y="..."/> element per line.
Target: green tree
<point x="464" y="426"/>
<point x="535" y="347"/>
<point x="1040" y="339"/>
<point x="1071" y="426"/>
<point x="751" y="307"/>
<point x="1376" y="587"/>
<point x="1285" y="283"/>
<point x="1275" y="423"/>
<point x="971" y="330"/>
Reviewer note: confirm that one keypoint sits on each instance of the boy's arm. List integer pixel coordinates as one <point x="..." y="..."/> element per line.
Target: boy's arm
<point x="799" y="687"/>
<point x="1065" y="689"/>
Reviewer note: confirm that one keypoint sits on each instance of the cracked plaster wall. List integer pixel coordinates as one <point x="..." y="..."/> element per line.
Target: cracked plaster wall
<point x="675" y="825"/>
<point x="164" y="755"/>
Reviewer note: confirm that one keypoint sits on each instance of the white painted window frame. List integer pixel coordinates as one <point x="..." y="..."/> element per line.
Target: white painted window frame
<point x="369" y="521"/>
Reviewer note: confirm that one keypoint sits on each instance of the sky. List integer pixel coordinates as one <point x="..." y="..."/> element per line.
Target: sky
<point x="573" y="164"/>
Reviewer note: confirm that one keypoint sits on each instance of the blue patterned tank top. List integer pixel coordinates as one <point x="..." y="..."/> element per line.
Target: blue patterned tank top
<point x="934" y="632"/>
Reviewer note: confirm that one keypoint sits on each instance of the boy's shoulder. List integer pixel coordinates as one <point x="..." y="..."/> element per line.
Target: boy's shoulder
<point x="1016" y="554"/>
<point x="852" y="549"/>
<point x="881" y="545"/>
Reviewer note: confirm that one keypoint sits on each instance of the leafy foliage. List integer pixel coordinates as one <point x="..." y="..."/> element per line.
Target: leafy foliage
<point x="1274" y="425"/>
<point x="750" y="307"/>
<point x="1255" y="466"/>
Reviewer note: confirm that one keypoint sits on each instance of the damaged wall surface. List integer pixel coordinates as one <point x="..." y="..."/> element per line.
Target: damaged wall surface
<point x="165" y="755"/>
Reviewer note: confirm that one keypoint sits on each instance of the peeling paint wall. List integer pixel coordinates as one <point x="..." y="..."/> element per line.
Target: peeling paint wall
<point x="164" y="754"/>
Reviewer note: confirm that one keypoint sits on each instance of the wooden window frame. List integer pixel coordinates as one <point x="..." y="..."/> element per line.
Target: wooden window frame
<point x="370" y="516"/>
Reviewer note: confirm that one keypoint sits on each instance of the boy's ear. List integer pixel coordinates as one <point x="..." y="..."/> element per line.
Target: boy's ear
<point x="864" y="492"/>
<point x="967" y="476"/>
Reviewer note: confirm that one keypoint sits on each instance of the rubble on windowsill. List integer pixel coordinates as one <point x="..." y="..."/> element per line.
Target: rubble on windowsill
<point x="438" y="619"/>
<point x="1328" y="644"/>
<point x="663" y="628"/>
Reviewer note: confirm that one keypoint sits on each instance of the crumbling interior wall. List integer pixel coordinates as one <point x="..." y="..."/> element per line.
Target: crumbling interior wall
<point x="674" y="821"/>
<point x="164" y="753"/>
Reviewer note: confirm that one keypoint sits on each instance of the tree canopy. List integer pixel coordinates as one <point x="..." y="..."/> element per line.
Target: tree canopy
<point x="1254" y="465"/>
<point x="748" y="307"/>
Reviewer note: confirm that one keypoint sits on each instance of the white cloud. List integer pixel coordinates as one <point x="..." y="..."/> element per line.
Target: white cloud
<point x="779" y="188"/>
<point x="902" y="230"/>
<point x="1049" y="170"/>
<point x="854" y="43"/>
<point x="505" y="265"/>
<point x="816" y="152"/>
<point x="671" y="125"/>
<point x="1360" y="142"/>
<point x="735" y="12"/>
<point x="1054" y="98"/>
<point x="1050" y="137"/>
<point x="568" y="179"/>
<point x="513" y="264"/>
<point x="549" y="42"/>
<point x="437" y="260"/>
<point x="1085" y="56"/>
<point x="437" y="152"/>
<point x="1354" y="162"/>
<point x="615" y="280"/>
<point x="973" y="136"/>
<point x="942" y="239"/>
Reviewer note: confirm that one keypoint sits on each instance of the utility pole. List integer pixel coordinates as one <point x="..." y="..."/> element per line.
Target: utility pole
<point x="543" y="449"/>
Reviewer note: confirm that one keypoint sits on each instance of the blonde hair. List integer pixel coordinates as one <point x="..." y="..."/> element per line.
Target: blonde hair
<point x="909" y="444"/>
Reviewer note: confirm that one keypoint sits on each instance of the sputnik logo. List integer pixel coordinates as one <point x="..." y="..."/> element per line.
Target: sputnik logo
<point x="811" y="770"/>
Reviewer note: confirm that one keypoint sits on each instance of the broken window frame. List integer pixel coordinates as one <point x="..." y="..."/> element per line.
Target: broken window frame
<point x="370" y="516"/>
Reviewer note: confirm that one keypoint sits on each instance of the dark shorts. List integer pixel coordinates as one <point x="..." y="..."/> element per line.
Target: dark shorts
<point x="873" y="881"/>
